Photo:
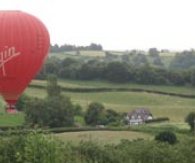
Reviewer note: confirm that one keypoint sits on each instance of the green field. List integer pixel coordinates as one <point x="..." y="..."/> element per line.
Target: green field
<point x="102" y="137"/>
<point x="82" y="54"/>
<point x="188" y="90"/>
<point x="11" y="119"/>
<point x="176" y="108"/>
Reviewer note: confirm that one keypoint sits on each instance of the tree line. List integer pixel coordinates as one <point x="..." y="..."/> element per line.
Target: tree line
<point x="117" y="71"/>
<point x="66" y="47"/>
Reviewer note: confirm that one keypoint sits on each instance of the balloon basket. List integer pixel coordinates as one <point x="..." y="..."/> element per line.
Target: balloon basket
<point x="11" y="111"/>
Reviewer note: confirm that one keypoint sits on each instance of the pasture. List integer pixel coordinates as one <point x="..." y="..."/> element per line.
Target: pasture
<point x="10" y="120"/>
<point x="102" y="137"/>
<point x="176" y="108"/>
<point x="82" y="54"/>
<point x="186" y="90"/>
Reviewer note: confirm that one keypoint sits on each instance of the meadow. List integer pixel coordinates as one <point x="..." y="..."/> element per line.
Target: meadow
<point x="176" y="108"/>
<point x="102" y="137"/>
<point x="186" y="90"/>
<point x="82" y="54"/>
<point x="9" y="120"/>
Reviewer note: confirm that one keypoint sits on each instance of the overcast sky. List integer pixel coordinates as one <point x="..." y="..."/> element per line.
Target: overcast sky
<point x="116" y="24"/>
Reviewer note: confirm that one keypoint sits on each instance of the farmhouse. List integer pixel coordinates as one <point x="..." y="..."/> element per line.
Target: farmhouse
<point x="138" y="116"/>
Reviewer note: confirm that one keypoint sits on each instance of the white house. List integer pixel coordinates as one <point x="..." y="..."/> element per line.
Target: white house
<point x="138" y="116"/>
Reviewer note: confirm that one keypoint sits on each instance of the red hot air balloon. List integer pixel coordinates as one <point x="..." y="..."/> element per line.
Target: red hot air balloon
<point x="24" y="45"/>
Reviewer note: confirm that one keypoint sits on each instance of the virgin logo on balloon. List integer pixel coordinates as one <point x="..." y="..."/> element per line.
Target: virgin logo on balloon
<point x="6" y="56"/>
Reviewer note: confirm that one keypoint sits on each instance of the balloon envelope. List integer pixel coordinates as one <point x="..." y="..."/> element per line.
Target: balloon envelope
<point x="24" y="45"/>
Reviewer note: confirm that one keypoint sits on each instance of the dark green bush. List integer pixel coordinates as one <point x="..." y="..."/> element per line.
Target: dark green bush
<point x="166" y="136"/>
<point x="160" y="119"/>
<point x="190" y="119"/>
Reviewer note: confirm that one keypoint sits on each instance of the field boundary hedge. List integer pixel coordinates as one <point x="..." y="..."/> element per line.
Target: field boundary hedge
<point x="140" y="128"/>
<point x="159" y="119"/>
<point x="20" y="130"/>
<point x="104" y="89"/>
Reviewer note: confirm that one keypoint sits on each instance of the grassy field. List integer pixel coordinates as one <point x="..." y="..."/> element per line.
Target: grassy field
<point x="188" y="90"/>
<point x="102" y="137"/>
<point x="176" y="108"/>
<point x="173" y="107"/>
<point x="91" y="53"/>
<point x="82" y="54"/>
<point x="11" y="119"/>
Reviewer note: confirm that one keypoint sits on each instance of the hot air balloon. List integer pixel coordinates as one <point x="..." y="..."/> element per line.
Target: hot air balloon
<point x="24" y="45"/>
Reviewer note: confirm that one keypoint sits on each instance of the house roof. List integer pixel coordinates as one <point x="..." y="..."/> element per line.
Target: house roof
<point x="140" y="111"/>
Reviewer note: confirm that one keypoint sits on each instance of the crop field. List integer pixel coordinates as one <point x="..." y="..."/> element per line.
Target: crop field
<point x="102" y="137"/>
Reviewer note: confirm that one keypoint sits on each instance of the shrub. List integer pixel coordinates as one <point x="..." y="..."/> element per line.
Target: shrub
<point x="166" y="136"/>
<point x="22" y="101"/>
<point x="52" y="111"/>
<point x="160" y="119"/>
<point x="95" y="114"/>
<point x="34" y="147"/>
<point x="190" y="119"/>
<point x="40" y="148"/>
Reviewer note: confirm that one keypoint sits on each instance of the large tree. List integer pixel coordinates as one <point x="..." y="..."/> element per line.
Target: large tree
<point x="55" y="110"/>
<point x="117" y="72"/>
<point x="95" y="114"/>
<point x="190" y="119"/>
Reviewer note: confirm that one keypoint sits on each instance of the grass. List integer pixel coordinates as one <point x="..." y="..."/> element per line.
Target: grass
<point x="188" y="90"/>
<point x="92" y="53"/>
<point x="179" y="126"/>
<point x="173" y="107"/>
<point x="176" y="108"/>
<point x="102" y="137"/>
<point x="11" y="119"/>
<point x="89" y="54"/>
